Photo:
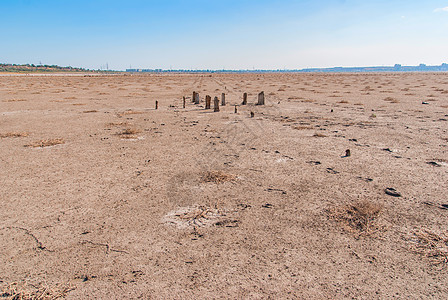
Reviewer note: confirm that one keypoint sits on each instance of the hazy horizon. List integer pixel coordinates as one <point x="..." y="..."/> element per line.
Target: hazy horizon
<point x="224" y="34"/>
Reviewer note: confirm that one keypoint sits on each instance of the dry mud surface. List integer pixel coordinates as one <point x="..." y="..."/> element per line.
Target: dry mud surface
<point x="102" y="196"/>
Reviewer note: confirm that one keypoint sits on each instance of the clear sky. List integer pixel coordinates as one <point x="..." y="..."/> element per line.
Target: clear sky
<point x="216" y="34"/>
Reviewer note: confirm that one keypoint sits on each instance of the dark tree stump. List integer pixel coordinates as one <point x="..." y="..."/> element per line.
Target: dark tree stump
<point x="244" y="99"/>
<point x="216" y="104"/>
<point x="260" y="98"/>
<point x="208" y="101"/>
<point x="196" y="100"/>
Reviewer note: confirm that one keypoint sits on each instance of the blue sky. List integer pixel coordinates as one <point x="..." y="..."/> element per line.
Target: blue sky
<point x="216" y="34"/>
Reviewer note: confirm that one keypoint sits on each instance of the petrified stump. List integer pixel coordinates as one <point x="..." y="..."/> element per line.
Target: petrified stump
<point x="208" y="101"/>
<point x="184" y="102"/>
<point x="260" y="98"/>
<point x="196" y="100"/>
<point x="216" y="104"/>
<point x="194" y="97"/>
<point x="223" y="99"/>
<point x="252" y="114"/>
<point x="244" y="99"/>
<point x="157" y="104"/>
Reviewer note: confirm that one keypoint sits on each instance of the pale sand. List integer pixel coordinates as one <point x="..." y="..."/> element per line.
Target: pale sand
<point x="137" y="215"/>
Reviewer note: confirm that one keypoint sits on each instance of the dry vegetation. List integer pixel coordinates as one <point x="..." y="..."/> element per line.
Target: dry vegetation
<point x="15" y="291"/>
<point x="13" y="134"/>
<point x="129" y="112"/>
<point x="302" y="127"/>
<point x="432" y="245"/>
<point x="317" y="134"/>
<point x="391" y="100"/>
<point x="14" y="100"/>
<point x="360" y="217"/>
<point x="218" y="177"/>
<point x="196" y="216"/>
<point x="128" y="133"/>
<point x="46" y="143"/>
<point x="117" y="124"/>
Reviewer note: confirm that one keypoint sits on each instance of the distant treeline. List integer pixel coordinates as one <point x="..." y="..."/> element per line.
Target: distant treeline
<point x="29" y="68"/>
<point x="397" y="68"/>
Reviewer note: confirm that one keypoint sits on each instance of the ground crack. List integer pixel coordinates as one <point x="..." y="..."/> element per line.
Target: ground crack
<point x="108" y="248"/>
<point x="40" y="246"/>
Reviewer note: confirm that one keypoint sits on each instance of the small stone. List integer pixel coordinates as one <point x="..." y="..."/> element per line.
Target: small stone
<point x="392" y="192"/>
<point x="433" y="163"/>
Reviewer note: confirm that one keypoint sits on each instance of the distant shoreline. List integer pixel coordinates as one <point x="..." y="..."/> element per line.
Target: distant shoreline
<point x="49" y="74"/>
<point x="393" y="69"/>
<point x="27" y="69"/>
<point x="122" y="73"/>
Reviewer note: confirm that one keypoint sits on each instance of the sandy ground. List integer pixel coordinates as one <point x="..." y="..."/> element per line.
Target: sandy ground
<point x="102" y="196"/>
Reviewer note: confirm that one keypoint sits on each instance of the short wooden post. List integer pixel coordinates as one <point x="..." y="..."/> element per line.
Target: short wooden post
<point x="260" y="98"/>
<point x="196" y="100"/>
<point x="216" y="104"/>
<point x="252" y="114"/>
<point x="236" y="109"/>
<point x="157" y="104"/>
<point x="194" y="97"/>
<point x="244" y="99"/>
<point x="208" y="101"/>
<point x="184" y="102"/>
<point x="223" y="99"/>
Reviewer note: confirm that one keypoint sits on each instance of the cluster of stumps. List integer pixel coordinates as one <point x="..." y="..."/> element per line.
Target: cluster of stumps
<point x="208" y="101"/>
